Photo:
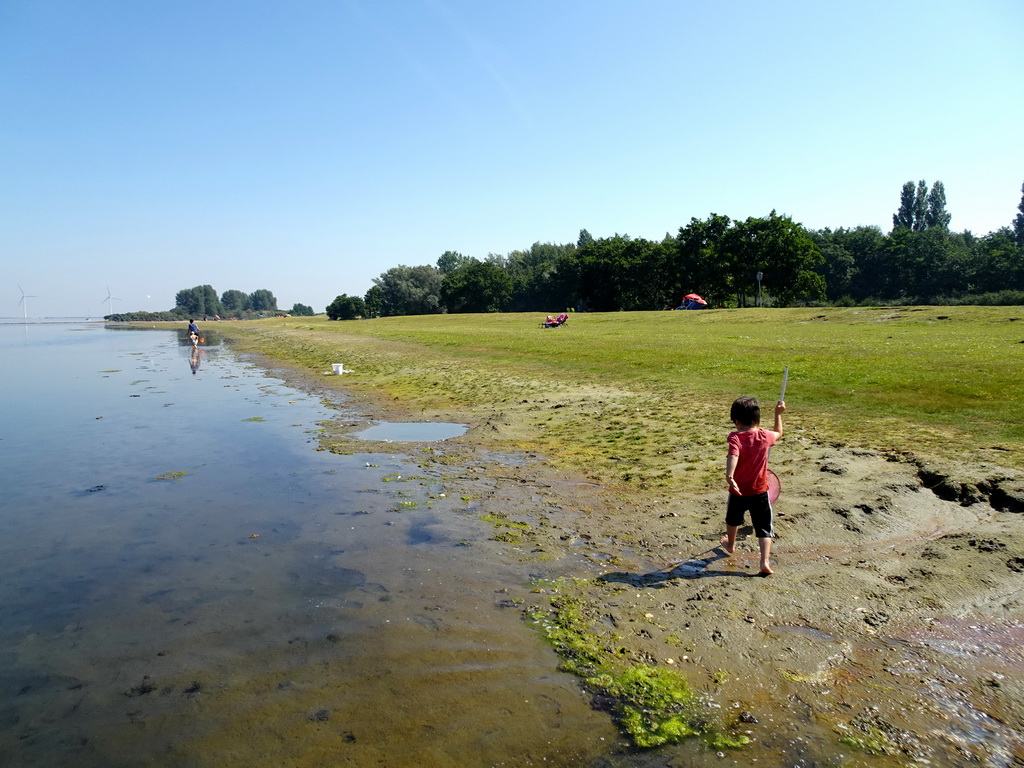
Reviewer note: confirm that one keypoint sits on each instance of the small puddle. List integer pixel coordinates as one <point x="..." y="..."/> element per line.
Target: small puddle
<point x="412" y="431"/>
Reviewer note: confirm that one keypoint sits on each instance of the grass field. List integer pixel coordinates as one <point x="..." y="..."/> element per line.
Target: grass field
<point x="644" y="396"/>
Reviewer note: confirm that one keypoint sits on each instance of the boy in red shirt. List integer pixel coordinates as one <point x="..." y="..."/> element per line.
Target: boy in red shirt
<point x="746" y="470"/>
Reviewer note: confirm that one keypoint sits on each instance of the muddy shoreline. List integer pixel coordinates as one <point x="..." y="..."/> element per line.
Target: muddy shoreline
<point x="891" y="631"/>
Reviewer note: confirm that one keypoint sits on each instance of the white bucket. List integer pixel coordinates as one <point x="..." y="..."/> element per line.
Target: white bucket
<point x="339" y="368"/>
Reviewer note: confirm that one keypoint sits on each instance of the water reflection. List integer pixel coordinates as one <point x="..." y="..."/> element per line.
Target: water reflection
<point x="187" y="581"/>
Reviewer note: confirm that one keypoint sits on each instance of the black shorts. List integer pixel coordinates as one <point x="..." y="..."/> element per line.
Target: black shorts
<point x="760" y="509"/>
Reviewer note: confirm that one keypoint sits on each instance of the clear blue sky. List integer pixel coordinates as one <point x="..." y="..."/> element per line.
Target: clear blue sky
<point x="308" y="146"/>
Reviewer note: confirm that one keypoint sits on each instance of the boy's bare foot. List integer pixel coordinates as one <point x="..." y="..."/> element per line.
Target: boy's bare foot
<point x="724" y="541"/>
<point x="766" y="570"/>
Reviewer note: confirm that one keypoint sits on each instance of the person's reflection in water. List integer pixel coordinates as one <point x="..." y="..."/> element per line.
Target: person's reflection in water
<point x="194" y="360"/>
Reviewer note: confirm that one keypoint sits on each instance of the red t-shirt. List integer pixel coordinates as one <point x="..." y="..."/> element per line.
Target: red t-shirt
<point x="751" y="446"/>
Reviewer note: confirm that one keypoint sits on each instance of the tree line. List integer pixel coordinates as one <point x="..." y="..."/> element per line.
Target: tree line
<point x="771" y="260"/>
<point x="203" y="302"/>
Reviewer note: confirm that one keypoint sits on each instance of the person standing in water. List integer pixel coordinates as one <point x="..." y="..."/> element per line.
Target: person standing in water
<point x="193" y="332"/>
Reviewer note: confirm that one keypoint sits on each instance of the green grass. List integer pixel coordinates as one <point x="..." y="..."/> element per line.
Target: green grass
<point x="645" y="395"/>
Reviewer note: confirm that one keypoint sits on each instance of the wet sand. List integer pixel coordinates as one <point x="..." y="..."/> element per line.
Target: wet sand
<point x="889" y="633"/>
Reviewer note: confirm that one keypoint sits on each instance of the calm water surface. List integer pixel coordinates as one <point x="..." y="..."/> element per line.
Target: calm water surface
<point x="186" y="581"/>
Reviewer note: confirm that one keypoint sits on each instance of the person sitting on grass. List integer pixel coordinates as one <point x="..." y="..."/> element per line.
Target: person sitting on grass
<point x="746" y="471"/>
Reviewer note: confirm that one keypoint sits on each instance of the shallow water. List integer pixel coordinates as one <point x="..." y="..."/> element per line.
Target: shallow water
<point x="411" y="431"/>
<point x="187" y="581"/>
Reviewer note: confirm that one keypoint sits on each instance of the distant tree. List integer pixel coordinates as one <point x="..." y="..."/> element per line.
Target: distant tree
<point x="262" y="300"/>
<point x="904" y="217"/>
<point x="410" y="291"/>
<point x="648" y="279"/>
<point x="585" y="238"/>
<point x="921" y="207"/>
<point x="302" y="310"/>
<point x="450" y="261"/>
<point x="1018" y="221"/>
<point x="999" y="262"/>
<point x="597" y="270"/>
<point x="937" y="216"/>
<point x="779" y="248"/>
<point x="538" y="277"/>
<point x="873" y="274"/>
<point x="199" y="301"/>
<point x="935" y="266"/>
<point x="235" y="301"/>
<point x="498" y="260"/>
<point x="838" y="266"/>
<point x="700" y="259"/>
<point x="620" y="273"/>
<point x="478" y="286"/>
<point x="345" y="307"/>
<point x="374" y="301"/>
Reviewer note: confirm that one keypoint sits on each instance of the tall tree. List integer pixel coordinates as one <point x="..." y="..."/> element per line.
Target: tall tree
<point x="904" y="217"/>
<point x="700" y="259"/>
<point x="235" y="301"/>
<point x="874" y="274"/>
<point x="449" y="261"/>
<point x="345" y="307"/>
<point x="199" y="301"/>
<point x="921" y="206"/>
<point x="374" y="301"/>
<point x="1000" y="262"/>
<point x="782" y="251"/>
<point x="920" y="209"/>
<point x="1018" y="222"/>
<point x="262" y="300"/>
<point x="410" y="291"/>
<point x="538" y="277"/>
<point x="480" y="286"/>
<point x="937" y="216"/>
<point x="935" y="266"/>
<point x="839" y="266"/>
<point x="618" y="273"/>
<point x="596" y="271"/>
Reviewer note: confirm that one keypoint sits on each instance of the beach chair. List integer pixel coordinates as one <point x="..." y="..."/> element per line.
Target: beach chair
<point x="555" y="322"/>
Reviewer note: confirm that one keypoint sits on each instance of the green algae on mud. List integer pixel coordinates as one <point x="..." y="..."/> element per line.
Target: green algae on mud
<point x="653" y="705"/>
<point x="176" y="476"/>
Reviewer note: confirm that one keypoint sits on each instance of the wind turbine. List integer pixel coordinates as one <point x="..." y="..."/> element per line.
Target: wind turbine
<point x="24" y="303"/>
<point x="110" y="301"/>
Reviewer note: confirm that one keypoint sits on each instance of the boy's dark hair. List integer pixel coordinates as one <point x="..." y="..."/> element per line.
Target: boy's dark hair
<point x="746" y="410"/>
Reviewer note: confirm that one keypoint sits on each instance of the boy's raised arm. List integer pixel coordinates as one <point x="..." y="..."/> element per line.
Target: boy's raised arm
<point x="780" y="408"/>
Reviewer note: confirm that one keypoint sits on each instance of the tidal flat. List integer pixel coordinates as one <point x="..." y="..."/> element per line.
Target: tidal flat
<point x="891" y="630"/>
